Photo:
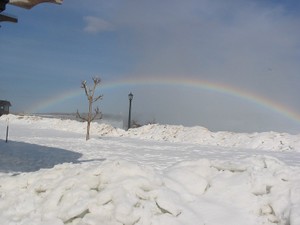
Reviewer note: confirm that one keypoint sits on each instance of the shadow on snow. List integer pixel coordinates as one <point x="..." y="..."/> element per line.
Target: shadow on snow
<point x="25" y="157"/>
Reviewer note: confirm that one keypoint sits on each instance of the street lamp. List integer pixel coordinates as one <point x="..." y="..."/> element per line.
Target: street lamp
<point x="130" y="97"/>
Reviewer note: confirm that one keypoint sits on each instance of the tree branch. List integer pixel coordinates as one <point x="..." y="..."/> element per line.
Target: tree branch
<point x="99" y="97"/>
<point x="80" y="117"/>
<point x="97" y="112"/>
<point x="83" y="85"/>
<point x="96" y="80"/>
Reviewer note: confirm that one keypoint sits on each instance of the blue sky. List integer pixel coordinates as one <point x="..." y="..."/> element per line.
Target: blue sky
<point x="251" y="45"/>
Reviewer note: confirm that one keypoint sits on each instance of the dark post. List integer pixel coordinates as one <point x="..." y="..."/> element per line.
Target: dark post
<point x="130" y="97"/>
<point x="7" y="126"/>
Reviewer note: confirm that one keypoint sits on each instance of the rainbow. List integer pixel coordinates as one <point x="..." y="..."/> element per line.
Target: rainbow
<point x="221" y="88"/>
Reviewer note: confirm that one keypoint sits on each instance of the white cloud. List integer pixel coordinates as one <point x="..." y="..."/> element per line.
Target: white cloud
<point x="96" y="25"/>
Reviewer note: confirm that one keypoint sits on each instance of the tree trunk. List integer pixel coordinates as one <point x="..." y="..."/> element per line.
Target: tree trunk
<point x="88" y="130"/>
<point x="89" y="119"/>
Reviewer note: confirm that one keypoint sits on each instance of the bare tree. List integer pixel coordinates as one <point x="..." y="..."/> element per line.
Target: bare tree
<point x="89" y="92"/>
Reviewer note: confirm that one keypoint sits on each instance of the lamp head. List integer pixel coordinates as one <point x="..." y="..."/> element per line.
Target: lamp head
<point x="130" y="96"/>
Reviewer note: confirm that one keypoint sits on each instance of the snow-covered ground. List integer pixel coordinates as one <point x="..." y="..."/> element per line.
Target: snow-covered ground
<point x="156" y="174"/>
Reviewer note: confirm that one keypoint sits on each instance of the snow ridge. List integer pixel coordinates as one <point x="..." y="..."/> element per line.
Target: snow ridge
<point x="199" y="135"/>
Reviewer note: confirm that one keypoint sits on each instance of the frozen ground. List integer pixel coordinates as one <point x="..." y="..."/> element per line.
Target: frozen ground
<point x="156" y="174"/>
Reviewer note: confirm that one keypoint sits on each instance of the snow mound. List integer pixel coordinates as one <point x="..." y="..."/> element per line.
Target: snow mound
<point x="172" y="133"/>
<point x="257" y="190"/>
<point x="45" y="123"/>
<point x="200" y="135"/>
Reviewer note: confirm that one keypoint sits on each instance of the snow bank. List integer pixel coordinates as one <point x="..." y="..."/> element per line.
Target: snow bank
<point x="198" y="135"/>
<point x="257" y="190"/>
<point x="45" y="123"/>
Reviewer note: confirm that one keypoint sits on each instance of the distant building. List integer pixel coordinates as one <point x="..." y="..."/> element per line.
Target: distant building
<point x="4" y="107"/>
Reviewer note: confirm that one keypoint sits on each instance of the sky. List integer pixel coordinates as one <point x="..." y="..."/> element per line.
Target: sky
<point x="225" y="65"/>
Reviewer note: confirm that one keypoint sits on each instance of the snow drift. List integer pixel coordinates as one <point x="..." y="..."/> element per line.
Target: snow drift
<point x="257" y="190"/>
<point x="156" y="174"/>
<point x="172" y="133"/>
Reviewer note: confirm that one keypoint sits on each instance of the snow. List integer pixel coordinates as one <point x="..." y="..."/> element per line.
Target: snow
<point x="156" y="174"/>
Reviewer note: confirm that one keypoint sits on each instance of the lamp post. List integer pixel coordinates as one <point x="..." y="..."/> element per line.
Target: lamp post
<point x="130" y="97"/>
